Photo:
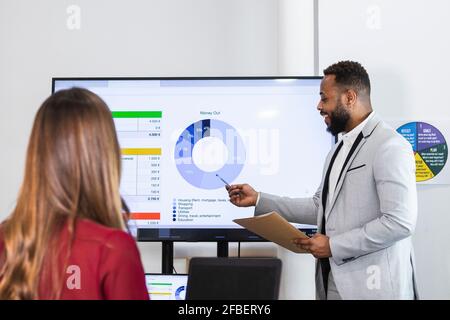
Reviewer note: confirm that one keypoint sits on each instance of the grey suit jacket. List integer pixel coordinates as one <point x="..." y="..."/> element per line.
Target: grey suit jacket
<point x="370" y="219"/>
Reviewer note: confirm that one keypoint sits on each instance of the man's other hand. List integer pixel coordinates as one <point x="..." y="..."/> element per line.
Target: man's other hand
<point x="318" y="245"/>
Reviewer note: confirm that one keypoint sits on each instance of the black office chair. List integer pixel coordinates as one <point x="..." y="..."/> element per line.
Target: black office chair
<point x="233" y="279"/>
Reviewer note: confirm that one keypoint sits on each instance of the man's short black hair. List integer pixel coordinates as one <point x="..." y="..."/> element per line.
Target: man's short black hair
<point x="350" y="74"/>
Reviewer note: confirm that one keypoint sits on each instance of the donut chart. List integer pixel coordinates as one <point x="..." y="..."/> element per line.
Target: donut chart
<point x="197" y="131"/>
<point x="180" y="293"/>
<point x="430" y="148"/>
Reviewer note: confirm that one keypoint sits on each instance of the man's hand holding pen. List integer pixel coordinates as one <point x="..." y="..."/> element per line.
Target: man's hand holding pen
<point x="242" y="195"/>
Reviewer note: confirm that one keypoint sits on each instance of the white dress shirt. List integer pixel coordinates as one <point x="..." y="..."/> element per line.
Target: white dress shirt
<point x="348" y="140"/>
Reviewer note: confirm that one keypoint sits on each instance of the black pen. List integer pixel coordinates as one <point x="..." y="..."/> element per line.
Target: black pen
<point x="226" y="183"/>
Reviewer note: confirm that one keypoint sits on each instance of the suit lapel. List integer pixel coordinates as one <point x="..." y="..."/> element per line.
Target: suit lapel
<point x="366" y="132"/>
<point x="343" y="175"/>
<point x="325" y="183"/>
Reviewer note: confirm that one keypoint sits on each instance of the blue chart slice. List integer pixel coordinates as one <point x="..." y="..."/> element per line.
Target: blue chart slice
<point x="179" y="293"/>
<point x="409" y="132"/>
<point x="192" y="135"/>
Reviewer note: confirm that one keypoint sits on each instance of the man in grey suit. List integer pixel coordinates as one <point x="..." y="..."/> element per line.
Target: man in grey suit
<point x="366" y="205"/>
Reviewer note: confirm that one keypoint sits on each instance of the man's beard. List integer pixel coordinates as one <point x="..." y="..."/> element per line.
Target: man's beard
<point x="338" y="120"/>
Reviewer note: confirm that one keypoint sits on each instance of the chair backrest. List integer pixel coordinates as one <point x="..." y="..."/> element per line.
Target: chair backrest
<point x="233" y="278"/>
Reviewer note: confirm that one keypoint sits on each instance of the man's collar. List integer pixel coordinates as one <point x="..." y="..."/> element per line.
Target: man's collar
<point x="371" y="125"/>
<point x="352" y="134"/>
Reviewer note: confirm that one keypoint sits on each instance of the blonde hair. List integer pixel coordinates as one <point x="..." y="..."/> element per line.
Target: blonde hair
<point x="72" y="171"/>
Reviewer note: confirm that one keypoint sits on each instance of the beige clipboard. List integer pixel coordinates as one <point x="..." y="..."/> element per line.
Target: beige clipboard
<point x="273" y="227"/>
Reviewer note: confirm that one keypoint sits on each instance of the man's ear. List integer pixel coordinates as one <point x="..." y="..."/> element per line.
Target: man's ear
<point x="350" y="97"/>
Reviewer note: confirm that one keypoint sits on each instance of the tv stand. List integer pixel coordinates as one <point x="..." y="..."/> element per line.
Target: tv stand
<point x="222" y="248"/>
<point x="167" y="254"/>
<point x="167" y="257"/>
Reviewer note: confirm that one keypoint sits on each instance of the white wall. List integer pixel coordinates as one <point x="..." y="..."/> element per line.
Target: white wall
<point x="404" y="47"/>
<point x="296" y="57"/>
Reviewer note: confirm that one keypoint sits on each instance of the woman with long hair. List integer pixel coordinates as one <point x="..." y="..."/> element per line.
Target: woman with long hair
<point x="65" y="238"/>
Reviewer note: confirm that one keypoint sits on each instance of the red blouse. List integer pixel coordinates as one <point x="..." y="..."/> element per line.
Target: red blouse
<point x="104" y="264"/>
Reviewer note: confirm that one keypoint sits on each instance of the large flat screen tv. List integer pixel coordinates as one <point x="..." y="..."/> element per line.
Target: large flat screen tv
<point x="183" y="139"/>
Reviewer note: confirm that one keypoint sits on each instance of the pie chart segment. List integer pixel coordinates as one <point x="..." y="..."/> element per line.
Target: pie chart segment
<point x="435" y="157"/>
<point x="423" y="172"/>
<point x="428" y="136"/>
<point x="409" y="132"/>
